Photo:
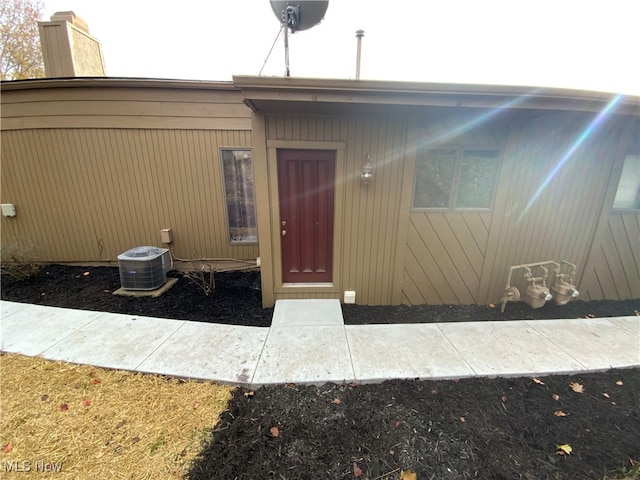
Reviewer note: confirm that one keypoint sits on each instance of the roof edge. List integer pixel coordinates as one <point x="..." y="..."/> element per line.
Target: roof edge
<point x="400" y="87"/>
<point x="114" y="82"/>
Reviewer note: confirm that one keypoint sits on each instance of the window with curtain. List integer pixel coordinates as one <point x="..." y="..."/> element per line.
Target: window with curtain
<point x="237" y="168"/>
<point x="456" y="178"/>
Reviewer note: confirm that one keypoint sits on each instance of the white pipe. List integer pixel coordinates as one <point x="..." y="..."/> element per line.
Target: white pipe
<point x="359" y="35"/>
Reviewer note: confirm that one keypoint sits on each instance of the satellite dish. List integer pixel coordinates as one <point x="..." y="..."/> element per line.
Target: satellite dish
<point x="300" y="14"/>
<point x="297" y="15"/>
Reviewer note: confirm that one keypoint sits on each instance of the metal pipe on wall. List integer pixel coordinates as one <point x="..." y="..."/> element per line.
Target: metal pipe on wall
<point x="359" y="35"/>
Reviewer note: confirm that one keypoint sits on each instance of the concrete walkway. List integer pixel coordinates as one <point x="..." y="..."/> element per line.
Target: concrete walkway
<point x="309" y="343"/>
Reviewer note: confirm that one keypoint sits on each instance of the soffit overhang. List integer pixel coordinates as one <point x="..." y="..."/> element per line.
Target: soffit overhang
<point x="323" y="96"/>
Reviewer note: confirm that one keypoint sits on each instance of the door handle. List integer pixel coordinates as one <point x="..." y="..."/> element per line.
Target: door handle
<point x="284" y="233"/>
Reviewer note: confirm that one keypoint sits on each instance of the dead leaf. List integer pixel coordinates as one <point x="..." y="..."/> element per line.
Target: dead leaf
<point x="86" y="402"/>
<point x="96" y="381"/>
<point x="462" y="419"/>
<point x="336" y="401"/>
<point x="408" y="475"/>
<point x="564" y="449"/>
<point x="274" y="431"/>
<point x="7" y="448"/>
<point x="44" y="397"/>
<point x="434" y="391"/>
<point x="606" y="395"/>
<point x="357" y="471"/>
<point x="98" y="455"/>
<point x="503" y="398"/>
<point x="560" y="413"/>
<point x="64" y="407"/>
<point x="196" y="405"/>
<point x="250" y="393"/>
<point x="538" y="381"/>
<point x="555" y="396"/>
<point x="491" y="305"/>
<point x="619" y="383"/>
<point x="398" y="423"/>
<point x="577" y="387"/>
<point x="86" y="273"/>
<point x="135" y="439"/>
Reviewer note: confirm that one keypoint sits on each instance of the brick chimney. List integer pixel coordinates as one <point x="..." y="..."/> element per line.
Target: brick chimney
<point x="68" y="49"/>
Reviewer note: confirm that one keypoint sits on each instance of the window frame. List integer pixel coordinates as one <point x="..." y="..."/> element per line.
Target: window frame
<point x="632" y="210"/>
<point x="230" y="240"/>
<point x="457" y="173"/>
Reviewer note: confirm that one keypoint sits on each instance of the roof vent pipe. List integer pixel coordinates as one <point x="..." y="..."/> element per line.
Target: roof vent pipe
<point x="359" y="35"/>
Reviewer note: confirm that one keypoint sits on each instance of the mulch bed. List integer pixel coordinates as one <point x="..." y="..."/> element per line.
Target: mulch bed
<point x="471" y="428"/>
<point x="478" y="428"/>
<point x="237" y="300"/>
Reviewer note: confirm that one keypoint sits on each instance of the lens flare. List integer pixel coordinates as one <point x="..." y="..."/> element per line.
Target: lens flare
<point x="478" y="120"/>
<point x="595" y="123"/>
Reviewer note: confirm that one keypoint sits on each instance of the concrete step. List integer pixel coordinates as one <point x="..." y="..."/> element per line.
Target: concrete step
<point x="307" y="312"/>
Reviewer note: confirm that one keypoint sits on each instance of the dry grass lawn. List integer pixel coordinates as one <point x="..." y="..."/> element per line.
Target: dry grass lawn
<point x="77" y="421"/>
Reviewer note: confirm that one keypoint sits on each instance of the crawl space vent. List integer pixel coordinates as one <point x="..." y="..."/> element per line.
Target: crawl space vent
<point x="144" y="268"/>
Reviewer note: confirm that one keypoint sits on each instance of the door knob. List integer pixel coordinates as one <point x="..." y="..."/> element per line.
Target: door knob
<point x="284" y="233"/>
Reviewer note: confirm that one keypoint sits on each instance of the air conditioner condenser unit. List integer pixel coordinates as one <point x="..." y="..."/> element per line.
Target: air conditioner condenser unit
<point x="144" y="268"/>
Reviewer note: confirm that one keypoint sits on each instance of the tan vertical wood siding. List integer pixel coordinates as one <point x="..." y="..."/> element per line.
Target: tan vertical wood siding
<point x="445" y="256"/>
<point x="445" y="251"/>
<point x="367" y="223"/>
<point x="562" y="223"/>
<point x="94" y="172"/>
<point x="90" y="194"/>
<point x="613" y="269"/>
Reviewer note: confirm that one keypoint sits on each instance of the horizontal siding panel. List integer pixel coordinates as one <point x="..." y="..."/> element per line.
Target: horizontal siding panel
<point x="61" y="108"/>
<point x="116" y="121"/>
<point x="165" y="95"/>
<point x="124" y="108"/>
<point x="209" y="110"/>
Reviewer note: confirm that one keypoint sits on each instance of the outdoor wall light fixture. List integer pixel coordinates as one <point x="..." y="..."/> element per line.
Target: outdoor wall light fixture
<point x="367" y="171"/>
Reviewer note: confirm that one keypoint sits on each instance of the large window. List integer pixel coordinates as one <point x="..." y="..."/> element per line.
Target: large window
<point x="456" y="178"/>
<point x="237" y="167"/>
<point x="628" y="194"/>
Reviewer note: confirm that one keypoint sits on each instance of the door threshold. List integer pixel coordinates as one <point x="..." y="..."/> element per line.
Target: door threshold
<point x="312" y="285"/>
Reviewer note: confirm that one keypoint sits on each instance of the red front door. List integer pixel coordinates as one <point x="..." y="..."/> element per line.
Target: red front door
<point x="306" y="187"/>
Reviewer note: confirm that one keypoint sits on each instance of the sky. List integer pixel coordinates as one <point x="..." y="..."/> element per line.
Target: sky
<point x="588" y="45"/>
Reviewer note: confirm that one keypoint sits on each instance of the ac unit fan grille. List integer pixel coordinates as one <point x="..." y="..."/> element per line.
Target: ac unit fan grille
<point x="144" y="272"/>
